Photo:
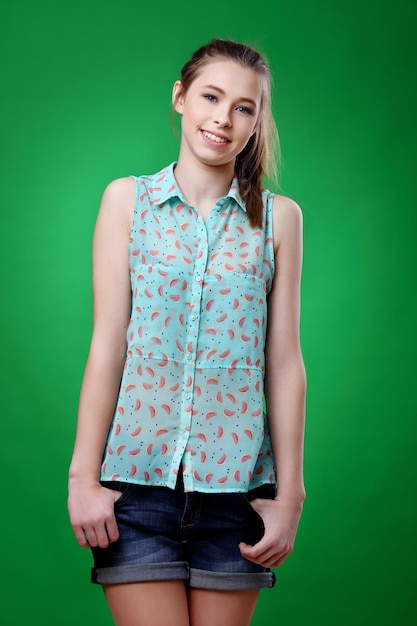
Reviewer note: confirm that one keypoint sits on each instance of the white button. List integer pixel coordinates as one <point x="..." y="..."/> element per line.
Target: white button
<point x="188" y="396"/>
<point x="198" y="278"/>
<point x="189" y="357"/>
<point x="194" y="317"/>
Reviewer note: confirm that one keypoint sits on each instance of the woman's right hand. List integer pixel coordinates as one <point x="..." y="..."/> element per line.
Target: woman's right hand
<point x="90" y="505"/>
<point x="91" y="511"/>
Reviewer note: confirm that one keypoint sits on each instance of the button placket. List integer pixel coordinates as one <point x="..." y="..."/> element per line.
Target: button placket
<point x="196" y="291"/>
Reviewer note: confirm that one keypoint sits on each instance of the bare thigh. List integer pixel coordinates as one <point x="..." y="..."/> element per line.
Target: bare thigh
<point x="159" y="603"/>
<point x="221" y="608"/>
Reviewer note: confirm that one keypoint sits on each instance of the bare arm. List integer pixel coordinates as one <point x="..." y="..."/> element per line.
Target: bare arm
<point x="91" y="506"/>
<point x="285" y="387"/>
<point x="285" y="382"/>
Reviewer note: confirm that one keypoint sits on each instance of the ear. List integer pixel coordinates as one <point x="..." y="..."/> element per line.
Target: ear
<point x="178" y="97"/>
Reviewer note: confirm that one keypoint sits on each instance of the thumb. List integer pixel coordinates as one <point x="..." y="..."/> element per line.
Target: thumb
<point x="245" y="549"/>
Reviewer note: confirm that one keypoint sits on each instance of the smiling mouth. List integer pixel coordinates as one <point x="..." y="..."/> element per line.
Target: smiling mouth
<point x="215" y="138"/>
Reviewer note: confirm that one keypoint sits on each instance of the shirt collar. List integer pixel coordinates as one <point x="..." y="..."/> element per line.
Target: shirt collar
<point x="165" y="187"/>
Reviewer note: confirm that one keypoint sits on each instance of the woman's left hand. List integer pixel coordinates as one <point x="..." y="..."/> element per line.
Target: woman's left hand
<point x="280" y="518"/>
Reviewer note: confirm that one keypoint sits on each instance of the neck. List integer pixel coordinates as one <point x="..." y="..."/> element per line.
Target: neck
<point x="201" y="184"/>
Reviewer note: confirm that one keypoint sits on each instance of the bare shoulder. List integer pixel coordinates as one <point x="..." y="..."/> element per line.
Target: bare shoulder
<point x="117" y="203"/>
<point x="287" y="220"/>
<point x="119" y="194"/>
<point x="120" y="186"/>
<point x="286" y="209"/>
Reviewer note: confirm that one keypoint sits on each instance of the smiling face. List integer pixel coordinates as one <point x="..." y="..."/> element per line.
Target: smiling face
<point x="219" y="111"/>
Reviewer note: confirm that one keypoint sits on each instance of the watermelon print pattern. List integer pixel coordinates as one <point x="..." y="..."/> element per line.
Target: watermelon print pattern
<point x="192" y="386"/>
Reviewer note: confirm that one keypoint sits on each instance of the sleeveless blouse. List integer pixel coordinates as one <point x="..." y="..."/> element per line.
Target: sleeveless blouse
<point x="192" y="387"/>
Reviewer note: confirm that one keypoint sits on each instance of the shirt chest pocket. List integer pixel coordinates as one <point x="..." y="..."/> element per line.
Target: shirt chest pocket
<point x="160" y="296"/>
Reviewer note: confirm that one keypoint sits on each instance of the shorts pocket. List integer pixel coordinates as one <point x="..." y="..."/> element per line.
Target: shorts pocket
<point x="123" y="488"/>
<point x="265" y="492"/>
<point x="247" y="504"/>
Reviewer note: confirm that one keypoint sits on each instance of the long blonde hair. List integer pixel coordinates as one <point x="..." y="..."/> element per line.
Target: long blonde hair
<point x="260" y="155"/>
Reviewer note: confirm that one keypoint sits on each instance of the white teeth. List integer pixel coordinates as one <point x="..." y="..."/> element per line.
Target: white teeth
<point x="214" y="137"/>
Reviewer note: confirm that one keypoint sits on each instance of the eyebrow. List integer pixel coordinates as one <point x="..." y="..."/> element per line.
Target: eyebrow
<point x="223" y="93"/>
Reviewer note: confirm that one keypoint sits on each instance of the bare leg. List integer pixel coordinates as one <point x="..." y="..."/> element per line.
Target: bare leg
<point x="160" y="603"/>
<point x="221" y="608"/>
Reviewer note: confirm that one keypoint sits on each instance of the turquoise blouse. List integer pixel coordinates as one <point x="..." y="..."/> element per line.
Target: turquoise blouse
<point x="192" y="386"/>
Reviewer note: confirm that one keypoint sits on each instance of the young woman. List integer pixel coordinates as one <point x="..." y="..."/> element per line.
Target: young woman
<point x="185" y="490"/>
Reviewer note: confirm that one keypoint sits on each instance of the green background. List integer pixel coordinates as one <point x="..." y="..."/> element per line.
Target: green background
<point x="86" y="98"/>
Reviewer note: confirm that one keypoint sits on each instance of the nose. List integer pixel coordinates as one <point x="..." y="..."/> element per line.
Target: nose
<point x="222" y="117"/>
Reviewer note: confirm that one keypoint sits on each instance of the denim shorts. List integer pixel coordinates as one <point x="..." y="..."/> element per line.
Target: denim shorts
<point x="167" y="534"/>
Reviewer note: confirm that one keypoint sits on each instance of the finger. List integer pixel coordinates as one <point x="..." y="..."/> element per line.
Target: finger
<point x="256" y="550"/>
<point x="274" y="558"/>
<point x="250" y="554"/>
<point x="112" y="529"/>
<point x="266" y="559"/>
<point x="276" y="562"/>
<point x="102" y="535"/>
<point x="90" y="535"/>
<point x="80" y="537"/>
<point x="270" y="556"/>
